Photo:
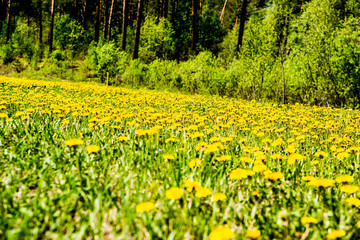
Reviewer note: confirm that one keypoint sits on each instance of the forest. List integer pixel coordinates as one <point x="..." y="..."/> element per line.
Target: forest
<point x="285" y="51"/>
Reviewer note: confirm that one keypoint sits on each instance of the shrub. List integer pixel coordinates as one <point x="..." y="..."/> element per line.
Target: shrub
<point x="104" y="58"/>
<point x="155" y="39"/>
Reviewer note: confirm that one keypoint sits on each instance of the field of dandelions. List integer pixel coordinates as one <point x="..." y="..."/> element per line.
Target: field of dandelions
<point x="83" y="161"/>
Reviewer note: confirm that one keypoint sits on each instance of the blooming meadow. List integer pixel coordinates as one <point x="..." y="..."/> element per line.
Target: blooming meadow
<point x="81" y="160"/>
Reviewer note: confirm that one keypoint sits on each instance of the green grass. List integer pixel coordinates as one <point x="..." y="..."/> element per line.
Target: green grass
<point x="51" y="190"/>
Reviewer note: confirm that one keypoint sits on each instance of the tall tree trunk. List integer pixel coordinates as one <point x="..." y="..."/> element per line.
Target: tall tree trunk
<point x="173" y="11"/>
<point x="8" y="22"/>
<point x="137" y="30"/>
<point x="51" y="26"/>
<point x="83" y="13"/>
<point x="194" y="30"/>
<point x="2" y="12"/>
<point x="97" y="20"/>
<point x="105" y="26"/>
<point x="158" y="9"/>
<point x="110" y="19"/>
<point x="40" y="21"/>
<point x="124" y="23"/>
<point x="242" y="25"/>
<point x="223" y="12"/>
<point x="76" y="10"/>
<point x="200" y="7"/>
<point x="166" y="8"/>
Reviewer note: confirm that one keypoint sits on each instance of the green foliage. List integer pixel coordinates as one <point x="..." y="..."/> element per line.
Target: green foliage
<point x="155" y="39"/>
<point x="104" y="58"/>
<point x="69" y="34"/>
<point x="135" y="74"/>
<point x="162" y="75"/>
<point x="315" y="42"/>
<point x="7" y="54"/>
<point x="211" y="31"/>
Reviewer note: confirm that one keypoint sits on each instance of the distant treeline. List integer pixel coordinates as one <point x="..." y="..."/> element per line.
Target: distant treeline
<point x="304" y="51"/>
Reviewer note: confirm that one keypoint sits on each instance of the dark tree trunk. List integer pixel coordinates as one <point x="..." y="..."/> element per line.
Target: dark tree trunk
<point x="76" y="10"/>
<point x="2" y="12"/>
<point x="137" y="30"/>
<point x="200" y="7"/>
<point x="242" y="24"/>
<point x="166" y="7"/>
<point x="51" y="26"/>
<point x="110" y="20"/>
<point x="158" y="9"/>
<point x="83" y="12"/>
<point x="40" y="21"/>
<point x="173" y="11"/>
<point x="97" y="20"/>
<point x="124" y="24"/>
<point x="8" y="22"/>
<point x="105" y="26"/>
<point x="194" y="30"/>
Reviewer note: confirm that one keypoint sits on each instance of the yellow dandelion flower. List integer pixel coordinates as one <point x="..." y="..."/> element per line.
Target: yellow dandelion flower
<point x="275" y="176"/>
<point x="308" y="220"/>
<point x="218" y="197"/>
<point x="344" y="179"/>
<point x="353" y="201"/>
<point x="202" y="192"/>
<point x="195" y="162"/>
<point x="168" y="157"/>
<point x="313" y="163"/>
<point x="253" y="234"/>
<point x="259" y="168"/>
<point x="293" y="157"/>
<point x="343" y="155"/>
<point x="239" y="174"/>
<point x="93" y="149"/>
<point x="123" y="138"/>
<point x="322" y="182"/>
<point x="190" y="185"/>
<point x="174" y="193"/>
<point x="255" y="194"/>
<point x="221" y="233"/>
<point x="334" y="234"/>
<point x="321" y="154"/>
<point x="145" y="207"/>
<point x="349" y="189"/>
<point x="19" y="113"/>
<point x="74" y="142"/>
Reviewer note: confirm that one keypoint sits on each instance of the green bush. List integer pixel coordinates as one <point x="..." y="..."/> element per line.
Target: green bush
<point x="155" y="39"/>
<point x="162" y="74"/>
<point x="104" y="58"/>
<point x="135" y="73"/>
<point x="7" y="54"/>
<point x="68" y="34"/>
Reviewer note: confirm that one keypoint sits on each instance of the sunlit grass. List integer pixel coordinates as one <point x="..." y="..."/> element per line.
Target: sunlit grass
<point x="82" y="160"/>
